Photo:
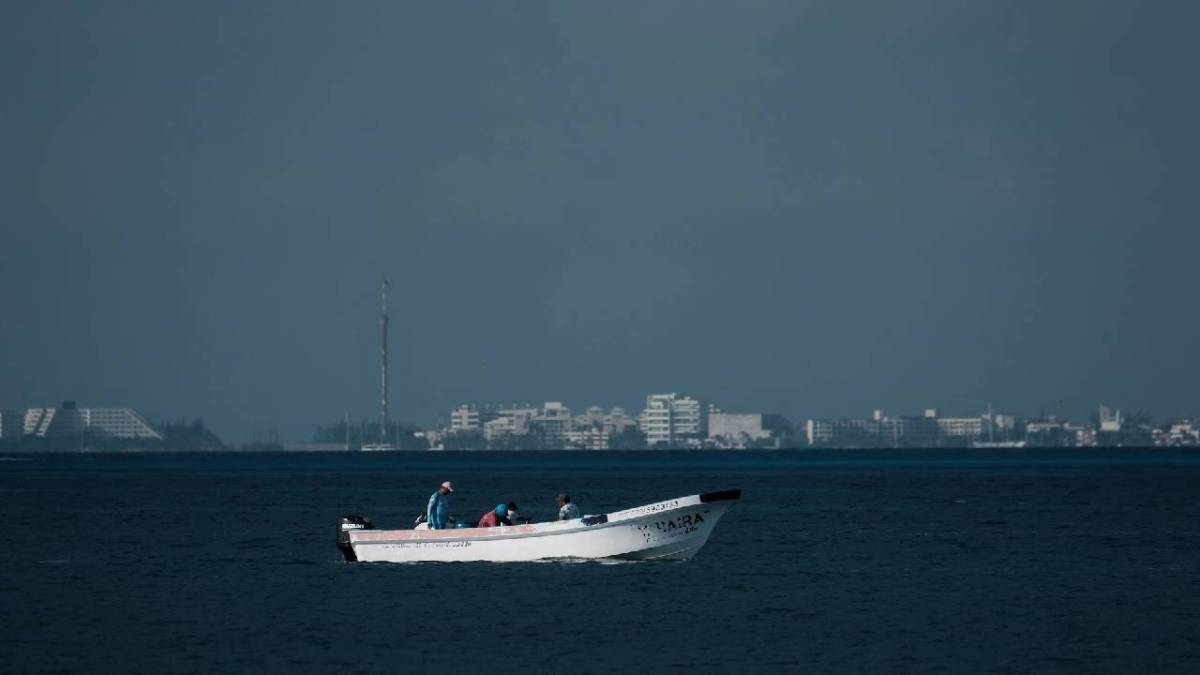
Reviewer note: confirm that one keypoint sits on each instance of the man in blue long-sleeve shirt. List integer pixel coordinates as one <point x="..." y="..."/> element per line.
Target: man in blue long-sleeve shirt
<point x="438" y="510"/>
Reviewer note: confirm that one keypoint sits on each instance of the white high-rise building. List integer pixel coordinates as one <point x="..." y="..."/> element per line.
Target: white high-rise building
<point x="668" y="418"/>
<point x="553" y="421"/>
<point x="464" y="418"/>
<point x="687" y="419"/>
<point x="655" y="420"/>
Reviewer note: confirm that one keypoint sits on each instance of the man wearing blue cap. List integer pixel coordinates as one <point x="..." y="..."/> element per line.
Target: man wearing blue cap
<point x="496" y="517"/>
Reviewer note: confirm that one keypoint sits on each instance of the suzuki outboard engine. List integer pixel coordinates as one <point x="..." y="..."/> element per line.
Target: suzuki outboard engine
<point x="345" y="525"/>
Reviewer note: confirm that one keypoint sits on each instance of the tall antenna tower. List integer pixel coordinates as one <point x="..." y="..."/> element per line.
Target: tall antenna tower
<point x="383" y="354"/>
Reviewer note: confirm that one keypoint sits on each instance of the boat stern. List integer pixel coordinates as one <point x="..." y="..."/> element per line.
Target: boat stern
<point x="346" y="525"/>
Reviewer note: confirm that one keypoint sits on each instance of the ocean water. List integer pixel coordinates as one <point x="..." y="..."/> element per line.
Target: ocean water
<point x="1019" y="561"/>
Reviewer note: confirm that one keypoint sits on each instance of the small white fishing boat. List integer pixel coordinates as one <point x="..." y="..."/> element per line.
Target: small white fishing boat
<point x="669" y="530"/>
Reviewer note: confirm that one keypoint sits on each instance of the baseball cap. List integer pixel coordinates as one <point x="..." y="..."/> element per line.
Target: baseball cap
<point x="448" y="486"/>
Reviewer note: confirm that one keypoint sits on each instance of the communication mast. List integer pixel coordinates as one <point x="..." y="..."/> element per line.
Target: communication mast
<point x="383" y="358"/>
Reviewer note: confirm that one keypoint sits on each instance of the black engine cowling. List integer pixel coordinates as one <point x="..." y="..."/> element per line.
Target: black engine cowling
<point x="345" y="525"/>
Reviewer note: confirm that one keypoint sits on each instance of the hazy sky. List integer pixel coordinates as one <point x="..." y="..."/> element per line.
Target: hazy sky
<point x="815" y="208"/>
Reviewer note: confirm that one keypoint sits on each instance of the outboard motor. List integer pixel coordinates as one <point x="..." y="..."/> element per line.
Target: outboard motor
<point x="345" y="525"/>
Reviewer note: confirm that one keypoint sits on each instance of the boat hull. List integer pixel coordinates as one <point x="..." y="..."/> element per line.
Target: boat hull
<point x="674" y="529"/>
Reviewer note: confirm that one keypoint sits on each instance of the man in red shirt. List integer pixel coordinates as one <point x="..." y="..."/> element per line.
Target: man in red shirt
<point x="496" y="517"/>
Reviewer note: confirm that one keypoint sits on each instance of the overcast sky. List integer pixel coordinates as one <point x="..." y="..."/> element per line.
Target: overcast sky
<point x="813" y="208"/>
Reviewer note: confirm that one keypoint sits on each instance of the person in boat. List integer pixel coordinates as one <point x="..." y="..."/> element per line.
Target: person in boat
<point x="566" y="509"/>
<point x="496" y="517"/>
<point x="437" y="512"/>
<point x="514" y="516"/>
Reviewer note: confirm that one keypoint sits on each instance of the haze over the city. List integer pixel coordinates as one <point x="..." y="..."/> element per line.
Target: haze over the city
<point x="811" y="208"/>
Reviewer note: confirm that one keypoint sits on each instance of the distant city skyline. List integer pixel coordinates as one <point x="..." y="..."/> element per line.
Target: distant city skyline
<point x="667" y="421"/>
<point x="445" y="417"/>
<point x="815" y="208"/>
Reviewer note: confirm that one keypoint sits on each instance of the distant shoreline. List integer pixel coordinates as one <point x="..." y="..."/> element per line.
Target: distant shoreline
<point x="17" y="453"/>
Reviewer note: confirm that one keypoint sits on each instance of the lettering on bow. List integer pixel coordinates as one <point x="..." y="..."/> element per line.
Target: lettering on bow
<point x="682" y="524"/>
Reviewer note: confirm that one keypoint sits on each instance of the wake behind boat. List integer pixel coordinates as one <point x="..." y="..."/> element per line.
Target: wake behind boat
<point x="674" y="529"/>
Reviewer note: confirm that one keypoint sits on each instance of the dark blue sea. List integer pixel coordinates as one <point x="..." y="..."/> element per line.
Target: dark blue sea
<point x="1013" y="562"/>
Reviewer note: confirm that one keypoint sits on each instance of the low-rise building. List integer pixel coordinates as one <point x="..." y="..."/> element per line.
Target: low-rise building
<point x="617" y="421"/>
<point x="594" y="417"/>
<point x="845" y="431"/>
<point x="589" y="438"/>
<point x="911" y="431"/>
<point x="509" y="422"/>
<point x="925" y="430"/>
<point x="71" y="420"/>
<point x="1182" y="433"/>
<point x="1043" y="426"/>
<point x="1110" y="422"/>
<point x="962" y="427"/>
<point x="735" y="430"/>
<point x="1052" y="433"/>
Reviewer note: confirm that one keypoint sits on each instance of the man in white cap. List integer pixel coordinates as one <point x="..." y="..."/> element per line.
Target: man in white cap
<point x="438" y="510"/>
